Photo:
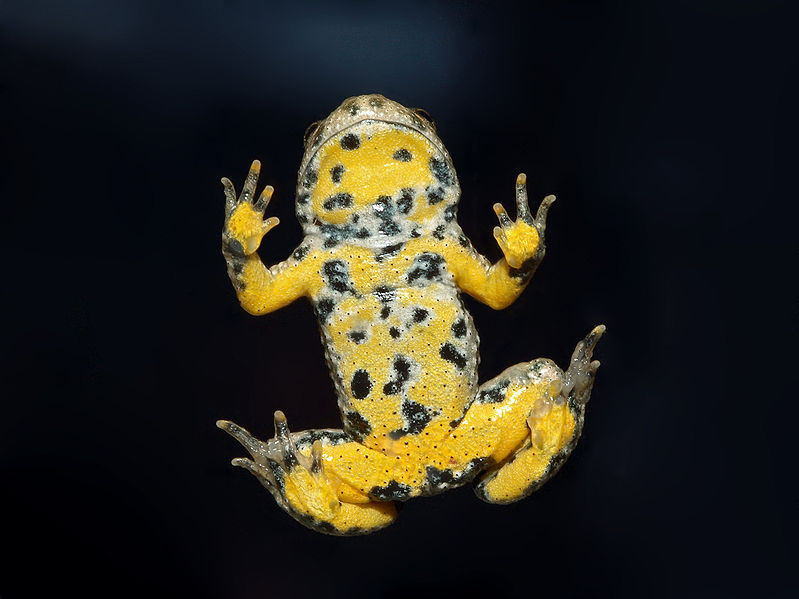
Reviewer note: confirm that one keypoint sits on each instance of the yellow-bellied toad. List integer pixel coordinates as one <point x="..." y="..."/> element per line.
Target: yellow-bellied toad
<point x="384" y="261"/>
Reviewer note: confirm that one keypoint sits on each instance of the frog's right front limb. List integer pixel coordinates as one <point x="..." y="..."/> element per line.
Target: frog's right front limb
<point x="292" y="467"/>
<point x="259" y="289"/>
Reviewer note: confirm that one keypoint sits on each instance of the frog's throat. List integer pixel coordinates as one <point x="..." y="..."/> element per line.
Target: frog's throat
<point x="360" y="109"/>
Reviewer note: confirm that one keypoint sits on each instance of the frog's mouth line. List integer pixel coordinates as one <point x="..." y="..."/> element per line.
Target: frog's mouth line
<point x="308" y="158"/>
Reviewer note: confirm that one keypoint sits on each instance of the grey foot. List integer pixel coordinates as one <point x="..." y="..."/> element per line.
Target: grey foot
<point x="273" y="459"/>
<point x="579" y="378"/>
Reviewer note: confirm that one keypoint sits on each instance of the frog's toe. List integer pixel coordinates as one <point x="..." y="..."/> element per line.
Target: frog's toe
<point x="579" y="378"/>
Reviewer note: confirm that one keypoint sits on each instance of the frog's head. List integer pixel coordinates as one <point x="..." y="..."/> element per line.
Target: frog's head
<point x="375" y="169"/>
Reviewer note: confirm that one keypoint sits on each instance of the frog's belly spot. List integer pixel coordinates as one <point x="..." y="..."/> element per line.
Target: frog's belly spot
<point x="404" y="361"/>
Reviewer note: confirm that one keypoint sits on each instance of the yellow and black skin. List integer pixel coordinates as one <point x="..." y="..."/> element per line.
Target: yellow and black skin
<point x="383" y="262"/>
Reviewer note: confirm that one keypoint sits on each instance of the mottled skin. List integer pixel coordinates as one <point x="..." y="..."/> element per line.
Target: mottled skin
<point x="384" y="261"/>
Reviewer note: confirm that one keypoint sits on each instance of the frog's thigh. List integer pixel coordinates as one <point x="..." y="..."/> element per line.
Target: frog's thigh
<point x="363" y="475"/>
<point x="321" y="498"/>
<point x="523" y="425"/>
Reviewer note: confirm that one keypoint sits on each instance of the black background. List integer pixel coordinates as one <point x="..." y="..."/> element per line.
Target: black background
<point x="661" y="126"/>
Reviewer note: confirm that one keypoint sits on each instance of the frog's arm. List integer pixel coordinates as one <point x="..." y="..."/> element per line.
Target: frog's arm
<point x="260" y="289"/>
<point x="522" y="242"/>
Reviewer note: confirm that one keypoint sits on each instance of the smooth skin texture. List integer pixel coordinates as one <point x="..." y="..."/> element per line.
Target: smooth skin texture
<point x="384" y="261"/>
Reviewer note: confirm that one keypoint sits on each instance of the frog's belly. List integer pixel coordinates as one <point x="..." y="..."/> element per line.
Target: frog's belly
<point x="404" y="363"/>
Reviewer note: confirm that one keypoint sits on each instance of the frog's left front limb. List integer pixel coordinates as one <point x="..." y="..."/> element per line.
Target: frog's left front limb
<point x="260" y="289"/>
<point x="300" y="470"/>
<point x="522" y="243"/>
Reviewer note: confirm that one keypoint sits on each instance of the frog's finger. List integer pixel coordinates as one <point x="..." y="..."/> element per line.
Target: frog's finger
<point x="230" y="195"/>
<point x="502" y="241"/>
<point x="541" y="214"/>
<point x="504" y="220"/>
<point x="243" y="436"/>
<point x="251" y="182"/>
<point x="269" y="224"/>
<point x="288" y="450"/>
<point x="316" y="456"/>
<point x="263" y="200"/>
<point x="522" y="207"/>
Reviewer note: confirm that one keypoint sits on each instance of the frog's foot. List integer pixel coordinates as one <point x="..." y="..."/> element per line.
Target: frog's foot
<point x="245" y="226"/>
<point x="522" y="242"/>
<point x="555" y="422"/>
<point x="298" y="483"/>
<point x="579" y="378"/>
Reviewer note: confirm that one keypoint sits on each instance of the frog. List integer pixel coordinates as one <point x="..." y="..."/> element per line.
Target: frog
<point x="384" y="264"/>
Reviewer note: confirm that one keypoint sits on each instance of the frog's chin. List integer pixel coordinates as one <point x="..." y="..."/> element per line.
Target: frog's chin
<point x="368" y="107"/>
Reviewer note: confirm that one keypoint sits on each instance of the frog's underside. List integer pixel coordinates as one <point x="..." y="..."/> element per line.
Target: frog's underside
<point x="384" y="261"/>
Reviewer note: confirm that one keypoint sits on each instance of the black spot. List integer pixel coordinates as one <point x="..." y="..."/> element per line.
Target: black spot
<point x="327" y="436"/>
<point x="339" y="200"/>
<point x="394" y="332"/>
<point x="416" y="233"/>
<point x="389" y="227"/>
<point x="450" y="212"/>
<point x="310" y="178"/>
<point x="494" y="394"/>
<point x="238" y="267"/>
<point x="361" y="384"/>
<point x="384" y="312"/>
<point x="419" y="315"/>
<point x="357" y="336"/>
<point x="324" y="308"/>
<point x="441" y="171"/>
<point x="352" y="108"/>
<point x="450" y="353"/>
<point x="459" y="328"/>
<point x="403" y="368"/>
<point x="427" y="265"/>
<point x="356" y="425"/>
<point x="438" y="232"/>
<point x="362" y="233"/>
<point x="336" y="172"/>
<point x="434" y="196"/>
<point x="464" y="241"/>
<point x="337" y="275"/>
<point x="440" y="479"/>
<point x="384" y="206"/>
<point x="385" y="294"/>
<point x="393" y="491"/>
<point x="333" y="234"/>
<point x="376" y="102"/>
<point x="403" y="155"/>
<point x="416" y="416"/>
<point x="302" y="219"/>
<point x="405" y="201"/>
<point x="303" y="197"/>
<point x="235" y="248"/>
<point x="402" y="372"/>
<point x="389" y="250"/>
<point x="350" y="141"/>
<point x="300" y="252"/>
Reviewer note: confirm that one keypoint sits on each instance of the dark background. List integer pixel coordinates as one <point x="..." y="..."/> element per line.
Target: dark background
<point x="661" y="126"/>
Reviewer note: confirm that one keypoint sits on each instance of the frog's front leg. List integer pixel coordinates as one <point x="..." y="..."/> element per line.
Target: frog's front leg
<point x="259" y="289"/>
<point x="292" y="467"/>
<point x="527" y="421"/>
<point x="522" y="244"/>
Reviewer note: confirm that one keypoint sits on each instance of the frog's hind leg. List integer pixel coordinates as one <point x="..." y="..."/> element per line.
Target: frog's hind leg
<point x="532" y="416"/>
<point x="291" y="467"/>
